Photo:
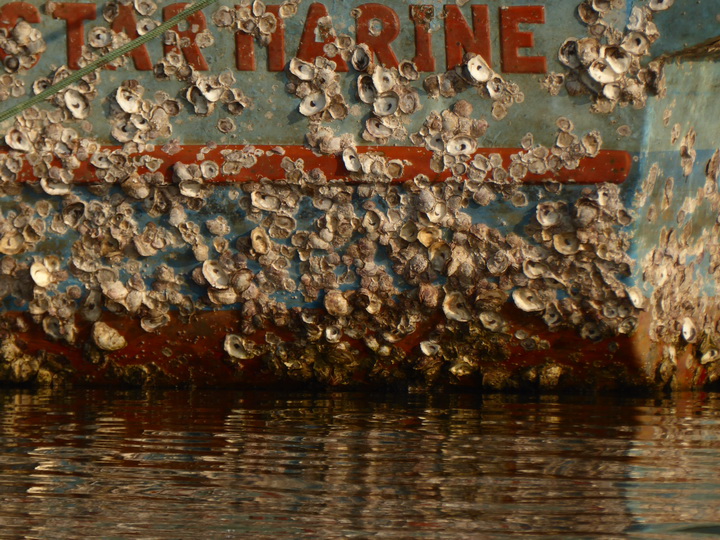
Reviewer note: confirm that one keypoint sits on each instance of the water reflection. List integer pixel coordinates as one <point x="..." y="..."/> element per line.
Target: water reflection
<point x="169" y="464"/>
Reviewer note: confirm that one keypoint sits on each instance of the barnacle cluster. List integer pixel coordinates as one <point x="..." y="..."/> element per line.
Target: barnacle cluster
<point x="321" y="100"/>
<point x="476" y="73"/>
<point x="253" y="18"/>
<point x="389" y="93"/>
<point x="204" y="92"/>
<point x="607" y="63"/>
<point x="20" y="47"/>
<point x="318" y="87"/>
<point x="452" y="136"/>
<point x="438" y="258"/>
<point x="683" y="314"/>
<point x="103" y="39"/>
<point x="446" y="262"/>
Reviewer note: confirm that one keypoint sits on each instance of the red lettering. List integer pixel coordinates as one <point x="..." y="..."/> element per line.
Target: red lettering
<point x="459" y="38"/>
<point x="513" y="39"/>
<point x="421" y="17"/>
<point x="74" y="14"/>
<point x="377" y="27"/>
<point x="245" y="47"/>
<point x="245" y="52"/>
<point x="126" y="22"/>
<point x="195" y="24"/>
<point x="310" y="48"/>
<point x="11" y="13"/>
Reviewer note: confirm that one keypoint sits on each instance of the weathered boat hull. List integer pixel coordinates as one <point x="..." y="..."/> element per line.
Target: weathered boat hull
<point x="548" y="225"/>
<point x="186" y="354"/>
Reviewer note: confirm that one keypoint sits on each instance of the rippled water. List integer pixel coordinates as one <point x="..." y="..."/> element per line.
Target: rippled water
<point x="186" y="464"/>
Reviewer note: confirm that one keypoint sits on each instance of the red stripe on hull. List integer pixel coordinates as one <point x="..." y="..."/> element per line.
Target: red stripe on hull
<point x="608" y="166"/>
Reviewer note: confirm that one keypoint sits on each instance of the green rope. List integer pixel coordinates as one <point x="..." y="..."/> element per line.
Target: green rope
<point x="109" y="57"/>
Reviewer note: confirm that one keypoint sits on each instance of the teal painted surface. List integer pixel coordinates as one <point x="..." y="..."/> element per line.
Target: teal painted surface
<point x="273" y="116"/>
<point x="694" y="102"/>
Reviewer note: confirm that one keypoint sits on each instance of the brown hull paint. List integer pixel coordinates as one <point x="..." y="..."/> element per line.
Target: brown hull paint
<point x="186" y="353"/>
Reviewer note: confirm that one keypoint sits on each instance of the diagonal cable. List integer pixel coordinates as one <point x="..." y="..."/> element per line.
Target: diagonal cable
<point x="109" y="57"/>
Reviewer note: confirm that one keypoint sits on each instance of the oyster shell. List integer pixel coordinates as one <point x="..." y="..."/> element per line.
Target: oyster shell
<point x="11" y="243"/>
<point x="361" y="58"/>
<point x="461" y="145"/>
<point x="351" y="160"/>
<point x="636" y="297"/>
<point x="40" y="274"/>
<point x="377" y="129"/>
<point x="366" y="89"/>
<point x="617" y="58"/>
<point x="222" y="297"/>
<point x="386" y="104"/>
<point x="527" y="299"/>
<point x="128" y="99"/>
<point x="333" y="334"/>
<point x="438" y="212"/>
<point x="154" y="320"/>
<point x="336" y="304"/>
<point x="636" y="43"/>
<point x="265" y="201"/>
<point x="548" y="214"/>
<point x="215" y="274"/>
<point x="409" y="70"/>
<point x="76" y="103"/>
<point x="566" y="243"/>
<point x="17" y="139"/>
<point x="689" y="331"/>
<point x="240" y="348"/>
<point x="409" y="102"/>
<point x="455" y="307"/>
<point x="313" y="104"/>
<point x="602" y="72"/>
<point x="568" y="53"/>
<point x="384" y="79"/>
<point x="492" y="321"/>
<point x="660" y="5"/>
<point x="305" y="71"/>
<point x="99" y="37"/>
<point x="107" y="338"/>
<point x="260" y="241"/>
<point x="478" y="70"/>
<point x="711" y="355"/>
<point x="535" y="269"/>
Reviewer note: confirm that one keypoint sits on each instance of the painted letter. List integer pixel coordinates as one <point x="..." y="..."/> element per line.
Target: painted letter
<point x="245" y="46"/>
<point x="379" y="38"/>
<point x="512" y="39"/>
<point x="459" y="38"/>
<point x="125" y="22"/>
<point x="74" y="14"/>
<point x="310" y="48"/>
<point x="196" y="24"/>
<point x="11" y="13"/>
<point x="421" y="17"/>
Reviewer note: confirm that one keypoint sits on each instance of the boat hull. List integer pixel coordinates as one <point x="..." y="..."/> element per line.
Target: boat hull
<point x="542" y="215"/>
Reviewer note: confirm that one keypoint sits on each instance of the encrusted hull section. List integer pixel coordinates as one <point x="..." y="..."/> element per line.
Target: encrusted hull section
<point x="187" y="354"/>
<point x="353" y="216"/>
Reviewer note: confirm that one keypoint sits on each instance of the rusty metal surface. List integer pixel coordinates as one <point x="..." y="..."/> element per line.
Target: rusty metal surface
<point x="508" y="197"/>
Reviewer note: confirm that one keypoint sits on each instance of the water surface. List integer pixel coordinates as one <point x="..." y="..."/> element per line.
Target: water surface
<point x="221" y="464"/>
